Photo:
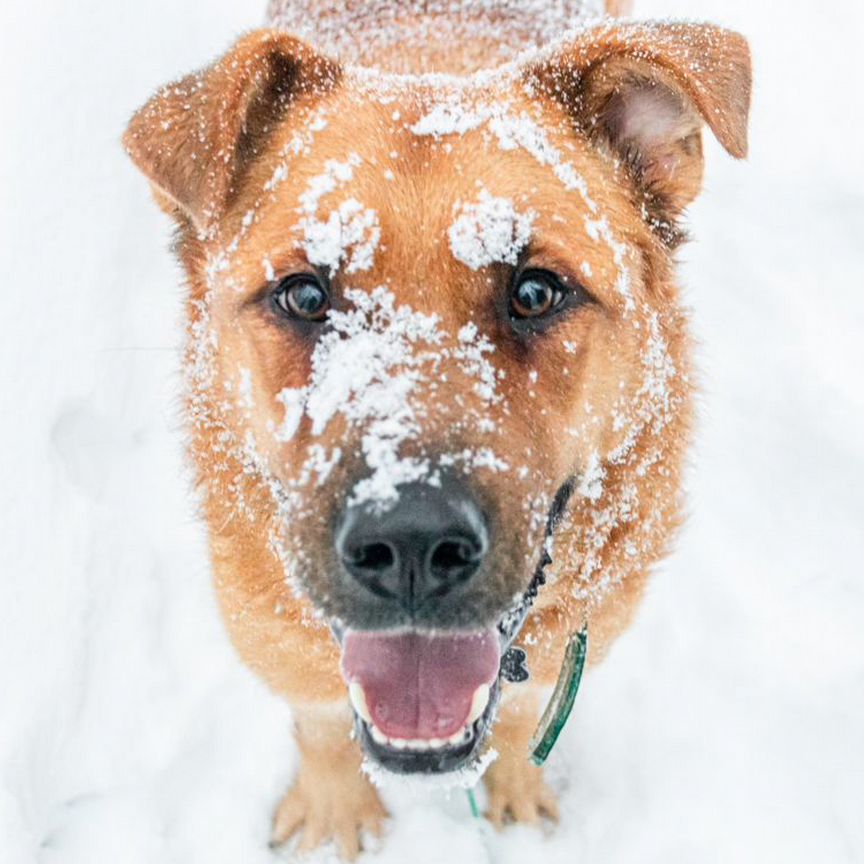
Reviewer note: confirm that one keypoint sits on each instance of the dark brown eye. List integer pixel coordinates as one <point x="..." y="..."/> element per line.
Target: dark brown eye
<point x="302" y="296"/>
<point x="536" y="293"/>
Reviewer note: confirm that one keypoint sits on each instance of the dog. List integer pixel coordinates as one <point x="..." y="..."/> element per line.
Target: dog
<point x="439" y="382"/>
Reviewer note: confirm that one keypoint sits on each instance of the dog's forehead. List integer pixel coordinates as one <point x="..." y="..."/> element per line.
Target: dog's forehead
<point x="405" y="187"/>
<point x="431" y="149"/>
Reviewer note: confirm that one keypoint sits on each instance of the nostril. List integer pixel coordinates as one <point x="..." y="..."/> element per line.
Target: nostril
<point x="374" y="557"/>
<point x="451" y="557"/>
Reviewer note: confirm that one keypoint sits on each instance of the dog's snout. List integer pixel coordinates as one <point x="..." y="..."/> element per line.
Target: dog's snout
<point x="431" y="541"/>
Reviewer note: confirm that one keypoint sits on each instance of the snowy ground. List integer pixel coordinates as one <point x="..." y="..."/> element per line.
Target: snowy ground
<point x="727" y="724"/>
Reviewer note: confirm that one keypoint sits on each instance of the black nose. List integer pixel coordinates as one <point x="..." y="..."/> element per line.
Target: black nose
<point x="432" y="540"/>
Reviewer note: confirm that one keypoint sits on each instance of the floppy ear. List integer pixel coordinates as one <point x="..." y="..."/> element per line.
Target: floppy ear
<point x="195" y="137"/>
<point x="644" y="90"/>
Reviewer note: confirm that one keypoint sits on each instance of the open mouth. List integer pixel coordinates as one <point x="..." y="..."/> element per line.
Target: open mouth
<point x="423" y="701"/>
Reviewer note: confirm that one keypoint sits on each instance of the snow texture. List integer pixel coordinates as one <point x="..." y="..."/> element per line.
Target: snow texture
<point x="351" y="233"/>
<point x="724" y="726"/>
<point x="489" y="231"/>
<point x="340" y="33"/>
<point x="368" y="368"/>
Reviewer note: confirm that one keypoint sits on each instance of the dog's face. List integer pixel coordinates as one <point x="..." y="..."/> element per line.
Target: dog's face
<point x="427" y="319"/>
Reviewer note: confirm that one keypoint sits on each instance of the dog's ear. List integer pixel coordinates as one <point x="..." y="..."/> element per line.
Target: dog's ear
<point x="195" y="137"/>
<point x="645" y="90"/>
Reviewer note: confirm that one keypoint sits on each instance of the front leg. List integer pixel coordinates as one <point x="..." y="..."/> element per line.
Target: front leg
<point x="331" y="799"/>
<point x="517" y="791"/>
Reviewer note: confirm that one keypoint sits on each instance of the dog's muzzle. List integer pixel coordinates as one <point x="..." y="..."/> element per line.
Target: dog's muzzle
<point x="425" y="695"/>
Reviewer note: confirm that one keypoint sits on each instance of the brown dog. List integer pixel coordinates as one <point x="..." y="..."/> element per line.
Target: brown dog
<point x="439" y="379"/>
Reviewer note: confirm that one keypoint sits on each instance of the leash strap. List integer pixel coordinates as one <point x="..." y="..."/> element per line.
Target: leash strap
<point x="472" y="803"/>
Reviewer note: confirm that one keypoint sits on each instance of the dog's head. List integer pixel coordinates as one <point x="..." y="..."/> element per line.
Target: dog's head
<point x="432" y="320"/>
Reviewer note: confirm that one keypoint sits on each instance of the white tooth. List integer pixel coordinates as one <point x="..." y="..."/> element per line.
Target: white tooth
<point x="398" y="743"/>
<point x="377" y="735"/>
<point x="418" y="744"/>
<point x="436" y="743"/>
<point x="358" y="700"/>
<point x="478" y="703"/>
<point x="457" y="737"/>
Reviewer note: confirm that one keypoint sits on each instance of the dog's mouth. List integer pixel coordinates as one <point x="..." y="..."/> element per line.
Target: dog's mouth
<point x="423" y="701"/>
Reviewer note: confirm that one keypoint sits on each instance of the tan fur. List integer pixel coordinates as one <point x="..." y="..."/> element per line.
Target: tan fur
<point x="619" y="7"/>
<point x="277" y="631"/>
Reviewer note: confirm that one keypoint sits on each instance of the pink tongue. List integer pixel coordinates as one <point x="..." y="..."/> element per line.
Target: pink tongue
<point x="420" y="685"/>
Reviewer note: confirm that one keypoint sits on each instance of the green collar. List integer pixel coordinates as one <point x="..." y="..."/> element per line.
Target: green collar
<point x="561" y="704"/>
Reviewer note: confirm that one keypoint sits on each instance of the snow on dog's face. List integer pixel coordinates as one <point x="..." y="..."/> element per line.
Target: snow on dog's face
<point x="433" y="340"/>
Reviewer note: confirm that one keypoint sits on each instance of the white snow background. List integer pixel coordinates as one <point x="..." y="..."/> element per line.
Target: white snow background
<point x="727" y="725"/>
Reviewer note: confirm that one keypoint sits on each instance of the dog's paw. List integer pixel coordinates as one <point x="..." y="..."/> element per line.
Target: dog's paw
<point x="517" y="793"/>
<point x="340" y="809"/>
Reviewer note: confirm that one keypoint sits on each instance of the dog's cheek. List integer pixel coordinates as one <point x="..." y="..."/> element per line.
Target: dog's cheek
<point x="605" y="373"/>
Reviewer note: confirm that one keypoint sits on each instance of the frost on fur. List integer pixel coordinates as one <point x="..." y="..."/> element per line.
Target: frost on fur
<point x="489" y="231"/>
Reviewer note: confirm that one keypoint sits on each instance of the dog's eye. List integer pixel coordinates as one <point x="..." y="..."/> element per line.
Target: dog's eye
<point x="302" y="296"/>
<point x="536" y="293"/>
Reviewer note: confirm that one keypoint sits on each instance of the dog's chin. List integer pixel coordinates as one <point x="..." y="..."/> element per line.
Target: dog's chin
<point x="428" y="756"/>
